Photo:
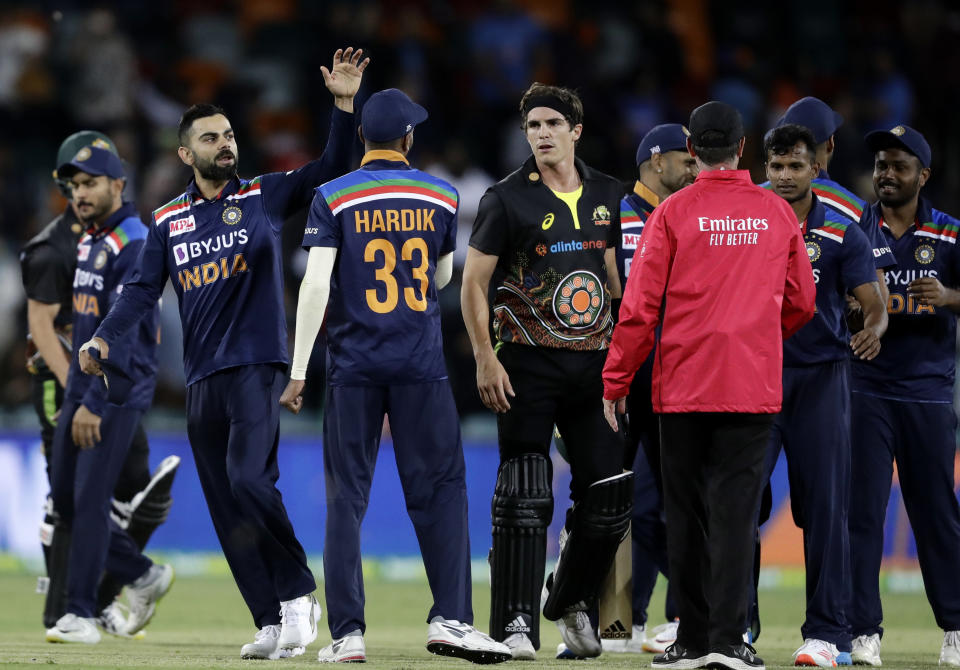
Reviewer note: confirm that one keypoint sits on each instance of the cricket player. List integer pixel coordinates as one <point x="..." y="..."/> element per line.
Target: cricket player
<point x="219" y="243"/>
<point x="814" y="425"/>
<point x="903" y="398"/>
<point x="381" y="243"/>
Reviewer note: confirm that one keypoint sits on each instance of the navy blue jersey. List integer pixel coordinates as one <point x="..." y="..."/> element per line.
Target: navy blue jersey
<point x="390" y="223"/>
<point x="916" y="362"/>
<point x="106" y="261"/>
<point x="224" y="259"/>
<point x="635" y="208"/>
<point x="842" y="259"/>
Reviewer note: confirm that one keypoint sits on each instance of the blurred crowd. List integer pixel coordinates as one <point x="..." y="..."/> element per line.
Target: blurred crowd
<point x="129" y="69"/>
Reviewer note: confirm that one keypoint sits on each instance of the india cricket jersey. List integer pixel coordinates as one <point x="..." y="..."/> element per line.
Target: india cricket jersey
<point x="917" y="358"/>
<point x="634" y="210"/>
<point x="106" y="261"/>
<point x="390" y="224"/>
<point x="842" y="259"/>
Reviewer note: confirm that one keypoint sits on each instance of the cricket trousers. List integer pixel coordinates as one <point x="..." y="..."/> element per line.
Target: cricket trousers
<point x="713" y="467"/>
<point x="81" y="482"/>
<point x="233" y="422"/>
<point x="921" y="438"/>
<point x="429" y="455"/>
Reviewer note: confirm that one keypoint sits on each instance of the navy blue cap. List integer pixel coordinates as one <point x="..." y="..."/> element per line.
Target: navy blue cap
<point x="93" y="161"/>
<point x="661" y="139"/>
<point x="390" y="114"/>
<point x="722" y="121"/>
<point x="815" y="115"/>
<point x="903" y="137"/>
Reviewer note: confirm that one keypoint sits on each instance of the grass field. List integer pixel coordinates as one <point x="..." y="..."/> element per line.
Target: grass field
<point x="202" y="623"/>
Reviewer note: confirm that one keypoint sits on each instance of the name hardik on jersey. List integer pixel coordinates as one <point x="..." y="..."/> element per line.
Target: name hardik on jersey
<point x="390" y="224"/>
<point x="635" y="208"/>
<point x="917" y="358"/>
<point x="842" y="259"/>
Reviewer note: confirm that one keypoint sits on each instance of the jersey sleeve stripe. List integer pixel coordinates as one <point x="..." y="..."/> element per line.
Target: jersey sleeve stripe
<point x="409" y="195"/>
<point x="399" y="186"/>
<point x="838" y="201"/>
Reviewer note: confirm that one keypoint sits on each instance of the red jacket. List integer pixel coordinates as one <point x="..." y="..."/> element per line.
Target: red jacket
<point x="723" y="268"/>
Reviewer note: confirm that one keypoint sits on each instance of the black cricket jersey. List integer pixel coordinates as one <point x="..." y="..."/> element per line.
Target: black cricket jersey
<point x="47" y="263"/>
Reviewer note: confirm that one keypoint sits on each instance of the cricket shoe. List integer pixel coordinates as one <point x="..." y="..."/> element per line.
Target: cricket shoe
<point x="72" y="628"/>
<point x="735" y="657"/>
<point x="678" y="657"/>
<point x="565" y="654"/>
<point x="578" y="634"/>
<point x="292" y="652"/>
<point x="448" y="637"/>
<point x="144" y="594"/>
<point x="521" y="648"/>
<point x="865" y="650"/>
<point x="630" y="645"/>
<point x="816" y="653"/>
<point x="113" y="621"/>
<point x="265" y="644"/>
<point x="950" y="651"/>
<point x="298" y="621"/>
<point x="664" y="635"/>
<point x="348" y="649"/>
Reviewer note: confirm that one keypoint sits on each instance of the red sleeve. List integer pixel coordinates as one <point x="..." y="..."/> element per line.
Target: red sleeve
<point x="633" y="336"/>
<point x="799" y="290"/>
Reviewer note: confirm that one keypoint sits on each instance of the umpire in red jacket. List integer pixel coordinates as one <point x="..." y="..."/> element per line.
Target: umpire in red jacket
<point x="723" y="269"/>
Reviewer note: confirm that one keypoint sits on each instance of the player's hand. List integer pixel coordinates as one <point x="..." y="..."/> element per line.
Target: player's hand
<point x="928" y="291"/>
<point x="87" y="364"/>
<point x="613" y="407"/>
<point x="865" y="344"/>
<point x="85" y="428"/>
<point x="493" y="382"/>
<point x="344" y="77"/>
<point x="291" y="397"/>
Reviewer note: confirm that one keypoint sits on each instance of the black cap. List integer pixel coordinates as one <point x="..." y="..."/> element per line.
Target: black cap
<point x="390" y="114"/>
<point x="715" y="124"/>
<point x="902" y="137"/>
<point x="815" y="114"/>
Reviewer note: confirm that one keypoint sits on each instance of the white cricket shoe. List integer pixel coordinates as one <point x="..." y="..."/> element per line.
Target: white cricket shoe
<point x="448" y="637"/>
<point x="817" y="653"/>
<point x="950" y="651"/>
<point x="521" y="648"/>
<point x="298" y="621"/>
<point x="630" y="645"/>
<point x="578" y="634"/>
<point x="865" y="650"/>
<point x="265" y="644"/>
<point x="113" y="621"/>
<point x="348" y="649"/>
<point x="72" y="628"/>
<point x="663" y="636"/>
<point x="292" y="651"/>
<point x="144" y="594"/>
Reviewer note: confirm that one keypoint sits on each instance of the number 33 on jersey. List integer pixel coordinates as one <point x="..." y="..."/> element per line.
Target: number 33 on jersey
<point x="390" y="224"/>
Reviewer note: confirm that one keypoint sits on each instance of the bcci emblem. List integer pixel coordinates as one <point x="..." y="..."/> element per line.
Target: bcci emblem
<point x="898" y="130"/>
<point x="578" y="299"/>
<point x="231" y="215"/>
<point x="924" y="254"/>
<point x="82" y="155"/>
<point x="101" y="259"/>
<point x="601" y="215"/>
<point x="813" y="251"/>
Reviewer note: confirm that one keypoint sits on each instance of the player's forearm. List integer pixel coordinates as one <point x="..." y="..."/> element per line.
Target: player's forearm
<point x="874" y="308"/>
<point x="40" y="318"/>
<point x="952" y="300"/>
<point x="882" y="286"/>
<point x="476" y="311"/>
<point x="311" y="307"/>
<point x="136" y="300"/>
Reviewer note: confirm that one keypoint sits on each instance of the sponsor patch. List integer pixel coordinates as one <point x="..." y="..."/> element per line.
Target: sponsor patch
<point x="181" y="226"/>
<point x="180" y="254"/>
<point x="83" y="252"/>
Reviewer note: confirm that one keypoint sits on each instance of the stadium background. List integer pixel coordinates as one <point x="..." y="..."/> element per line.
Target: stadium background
<point x="129" y="69"/>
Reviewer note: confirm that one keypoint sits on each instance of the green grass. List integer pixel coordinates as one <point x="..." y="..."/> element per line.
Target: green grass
<point x="203" y="622"/>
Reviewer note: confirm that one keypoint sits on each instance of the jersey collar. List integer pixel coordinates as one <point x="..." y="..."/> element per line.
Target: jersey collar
<point x="126" y="210"/>
<point x="229" y="188"/>
<point x="384" y="155"/>
<point x="924" y="214"/>
<point x="645" y="194"/>
<point x="816" y="215"/>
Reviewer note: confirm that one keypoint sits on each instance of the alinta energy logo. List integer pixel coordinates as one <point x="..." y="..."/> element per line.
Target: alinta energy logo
<point x="566" y="246"/>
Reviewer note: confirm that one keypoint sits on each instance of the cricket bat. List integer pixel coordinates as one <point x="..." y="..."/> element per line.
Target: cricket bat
<point x="616" y="595"/>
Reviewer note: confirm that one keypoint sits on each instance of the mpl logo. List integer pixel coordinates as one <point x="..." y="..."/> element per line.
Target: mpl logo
<point x="83" y="252"/>
<point x="181" y="226"/>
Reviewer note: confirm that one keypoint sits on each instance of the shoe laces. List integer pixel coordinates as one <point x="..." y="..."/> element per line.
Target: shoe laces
<point x="267" y="634"/>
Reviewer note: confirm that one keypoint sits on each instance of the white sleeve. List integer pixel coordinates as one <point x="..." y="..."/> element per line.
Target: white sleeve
<point x="311" y="306"/>
<point x="444" y="270"/>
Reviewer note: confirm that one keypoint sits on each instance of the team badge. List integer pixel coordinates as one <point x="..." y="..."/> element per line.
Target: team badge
<point x="82" y="155"/>
<point x="813" y="251"/>
<point x="924" y="254"/>
<point x="101" y="259"/>
<point x="547" y="221"/>
<point x="578" y="299"/>
<point x="232" y="215"/>
<point x="101" y="144"/>
<point x="898" y="130"/>
<point x="601" y="216"/>
<point x="541" y="249"/>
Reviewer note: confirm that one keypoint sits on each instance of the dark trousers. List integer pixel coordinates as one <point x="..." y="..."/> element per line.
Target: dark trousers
<point x="713" y="465"/>
<point x="814" y="430"/>
<point x="429" y="455"/>
<point x="233" y="422"/>
<point x="921" y="437"/>
<point x="81" y="483"/>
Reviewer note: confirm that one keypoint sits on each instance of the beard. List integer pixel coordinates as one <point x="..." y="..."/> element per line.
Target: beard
<point x="211" y="171"/>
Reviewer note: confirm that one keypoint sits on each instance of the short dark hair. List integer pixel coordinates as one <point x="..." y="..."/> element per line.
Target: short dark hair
<point x="198" y="111"/>
<point x="715" y="155"/>
<point x="781" y="140"/>
<point x="565" y="95"/>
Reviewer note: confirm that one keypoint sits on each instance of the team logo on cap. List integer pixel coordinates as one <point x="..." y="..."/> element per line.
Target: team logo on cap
<point x="232" y="215"/>
<point x="578" y="299"/>
<point x="82" y="155"/>
<point x="813" y="251"/>
<point x="101" y="259"/>
<point x="898" y="130"/>
<point x="100" y="144"/>
<point x="601" y="216"/>
<point x="924" y="254"/>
